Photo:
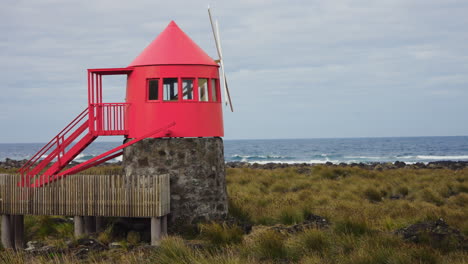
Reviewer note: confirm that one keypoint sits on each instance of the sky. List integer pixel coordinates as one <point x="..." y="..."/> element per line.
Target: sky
<point x="296" y="69"/>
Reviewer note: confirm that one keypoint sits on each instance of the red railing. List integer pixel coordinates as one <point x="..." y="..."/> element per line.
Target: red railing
<point x="57" y="146"/>
<point x="108" y="119"/>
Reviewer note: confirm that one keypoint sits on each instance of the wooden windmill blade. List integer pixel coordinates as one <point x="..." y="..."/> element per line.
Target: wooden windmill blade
<point x="215" y="29"/>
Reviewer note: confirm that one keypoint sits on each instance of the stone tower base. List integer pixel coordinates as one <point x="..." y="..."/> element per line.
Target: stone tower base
<point x="197" y="174"/>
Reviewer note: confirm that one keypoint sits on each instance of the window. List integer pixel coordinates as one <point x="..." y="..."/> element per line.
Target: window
<point x="214" y="94"/>
<point x="202" y="90"/>
<point x="153" y="89"/>
<point x="171" y="89"/>
<point x="187" y="89"/>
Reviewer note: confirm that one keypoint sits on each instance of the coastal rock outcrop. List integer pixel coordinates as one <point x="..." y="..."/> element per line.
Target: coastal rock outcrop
<point x="437" y="234"/>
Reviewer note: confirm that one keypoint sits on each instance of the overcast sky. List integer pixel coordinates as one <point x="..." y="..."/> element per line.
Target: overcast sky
<point x="297" y="69"/>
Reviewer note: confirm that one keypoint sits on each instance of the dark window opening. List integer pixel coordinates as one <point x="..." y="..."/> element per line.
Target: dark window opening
<point x="171" y="89"/>
<point x="153" y="90"/>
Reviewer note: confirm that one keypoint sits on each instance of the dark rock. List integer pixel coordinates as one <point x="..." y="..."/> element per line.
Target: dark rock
<point x="437" y="234"/>
<point x="91" y="244"/>
<point x="395" y="197"/>
<point x="420" y="165"/>
<point x="311" y="221"/>
<point x="303" y="170"/>
<point x="317" y="220"/>
<point x="84" y="246"/>
<point x="378" y="167"/>
<point x="399" y="164"/>
<point x="39" y="248"/>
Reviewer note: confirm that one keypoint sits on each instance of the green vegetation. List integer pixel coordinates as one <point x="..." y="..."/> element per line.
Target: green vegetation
<point x="364" y="208"/>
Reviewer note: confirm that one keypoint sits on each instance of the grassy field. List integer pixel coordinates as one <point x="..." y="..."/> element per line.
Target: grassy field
<point x="363" y="207"/>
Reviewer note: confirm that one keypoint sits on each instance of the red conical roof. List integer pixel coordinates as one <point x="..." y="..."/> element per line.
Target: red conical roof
<point x="172" y="46"/>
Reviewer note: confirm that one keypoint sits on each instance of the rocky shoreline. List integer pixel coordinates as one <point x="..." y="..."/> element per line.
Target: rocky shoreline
<point x="379" y="166"/>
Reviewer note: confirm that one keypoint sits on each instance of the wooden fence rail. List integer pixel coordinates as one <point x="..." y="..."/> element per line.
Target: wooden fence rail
<point x="88" y="195"/>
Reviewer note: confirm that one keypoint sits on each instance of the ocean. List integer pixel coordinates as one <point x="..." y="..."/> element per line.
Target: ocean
<point x="335" y="150"/>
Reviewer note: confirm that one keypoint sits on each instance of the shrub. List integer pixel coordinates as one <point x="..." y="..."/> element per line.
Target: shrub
<point x="403" y="190"/>
<point x="133" y="238"/>
<point x="290" y="216"/>
<point x="372" y="195"/>
<point x="173" y="250"/>
<point x="351" y="227"/>
<point x="279" y="187"/>
<point x="424" y="256"/>
<point x="268" y="245"/>
<point x="43" y="226"/>
<point x="221" y="234"/>
<point x="333" y="174"/>
<point x="379" y="256"/>
<point x="431" y="197"/>
<point x="463" y="188"/>
<point x="237" y="211"/>
<point x="105" y="237"/>
<point x="311" y="241"/>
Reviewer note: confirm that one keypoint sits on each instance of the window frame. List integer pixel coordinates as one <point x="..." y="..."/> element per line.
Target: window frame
<point x="217" y="90"/>
<point x="207" y="87"/>
<point x="179" y="90"/>
<point x="195" y="92"/>
<point x="148" y="90"/>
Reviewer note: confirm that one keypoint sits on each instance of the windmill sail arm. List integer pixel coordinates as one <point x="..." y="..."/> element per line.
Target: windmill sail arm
<point x="223" y="79"/>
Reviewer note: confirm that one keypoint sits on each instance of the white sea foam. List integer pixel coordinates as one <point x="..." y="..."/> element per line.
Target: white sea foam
<point x="367" y="157"/>
<point x="430" y="157"/>
<point x="79" y="157"/>
<point x="279" y="161"/>
<point x="119" y="158"/>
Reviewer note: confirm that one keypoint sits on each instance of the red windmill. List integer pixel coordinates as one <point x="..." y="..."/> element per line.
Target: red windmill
<point x="173" y="90"/>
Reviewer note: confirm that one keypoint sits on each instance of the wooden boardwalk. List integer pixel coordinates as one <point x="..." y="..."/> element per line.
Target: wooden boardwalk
<point x="88" y="195"/>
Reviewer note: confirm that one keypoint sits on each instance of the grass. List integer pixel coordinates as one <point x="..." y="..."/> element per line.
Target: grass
<point x="364" y="208"/>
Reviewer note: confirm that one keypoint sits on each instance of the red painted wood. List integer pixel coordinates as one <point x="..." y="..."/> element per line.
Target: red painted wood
<point x="193" y="118"/>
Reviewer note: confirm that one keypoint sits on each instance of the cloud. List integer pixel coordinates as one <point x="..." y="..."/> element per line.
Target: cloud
<point x="296" y="68"/>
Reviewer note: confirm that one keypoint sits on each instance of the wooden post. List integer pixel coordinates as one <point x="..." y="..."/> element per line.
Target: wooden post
<point x="79" y="226"/>
<point x="155" y="231"/>
<point x="6" y="232"/>
<point x="19" y="231"/>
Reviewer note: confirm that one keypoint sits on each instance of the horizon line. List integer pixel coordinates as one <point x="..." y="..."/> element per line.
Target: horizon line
<point x="299" y="138"/>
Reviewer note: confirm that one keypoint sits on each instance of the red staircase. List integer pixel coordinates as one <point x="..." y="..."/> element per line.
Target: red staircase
<point x="96" y="120"/>
<point x="55" y="150"/>
<point x="99" y="119"/>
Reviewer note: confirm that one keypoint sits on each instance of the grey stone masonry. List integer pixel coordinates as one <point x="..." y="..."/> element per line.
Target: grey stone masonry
<point x="197" y="174"/>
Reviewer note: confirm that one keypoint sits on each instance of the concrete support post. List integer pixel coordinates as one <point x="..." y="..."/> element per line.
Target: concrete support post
<point x="164" y="225"/>
<point x="99" y="224"/>
<point x="7" y="240"/>
<point x="155" y="231"/>
<point x="19" y="231"/>
<point x="79" y="226"/>
<point x="90" y="224"/>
